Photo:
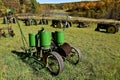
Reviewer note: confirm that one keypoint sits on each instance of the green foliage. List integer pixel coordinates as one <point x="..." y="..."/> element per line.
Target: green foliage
<point x="98" y="9"/>
<point x="2" y="8"/>
<point x="20" y="6"/>
<point x="101" y="56"/>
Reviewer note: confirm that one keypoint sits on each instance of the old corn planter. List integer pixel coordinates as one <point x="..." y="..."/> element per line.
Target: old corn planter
<point x="41" y="44"/>
<point x="52" y="50"/>
<point x="39" y="49"/>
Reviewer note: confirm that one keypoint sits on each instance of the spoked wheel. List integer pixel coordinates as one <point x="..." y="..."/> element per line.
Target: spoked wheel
<point x="112" y="29"/>
<point x="59" y="25"/>
<point x="55" y="63"/>
<point x="27" y="23"/>
<point x="75" y="56"/>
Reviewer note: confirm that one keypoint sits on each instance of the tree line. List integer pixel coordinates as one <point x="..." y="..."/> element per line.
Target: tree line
<point x="109" y="9"/>
<point x="19" y="6"/>
<point x="92" y="9"/>
<point x="97" y="9"/>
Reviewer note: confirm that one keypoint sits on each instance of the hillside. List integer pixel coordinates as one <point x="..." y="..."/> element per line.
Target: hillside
<point x="91" y="9"/>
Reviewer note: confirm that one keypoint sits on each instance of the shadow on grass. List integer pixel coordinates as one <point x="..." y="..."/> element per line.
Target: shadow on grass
<point x="32" y="61"/>
<point x="36" y="63"/>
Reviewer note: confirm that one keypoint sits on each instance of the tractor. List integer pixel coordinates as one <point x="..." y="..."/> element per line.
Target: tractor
<point x="109" y="27"/>
<point x="82" y="25"/>
<point x="6" y="31"/>
<point x="61" y="23"/>
<point x="43" y="21"/>
<point x="9" y="18"/>
<point x="29" y="21"/>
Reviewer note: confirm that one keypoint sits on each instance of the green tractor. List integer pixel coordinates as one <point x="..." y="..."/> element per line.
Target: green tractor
<point x="8" y="18"/>
<point x="30" y="21"/>
<point x="61" y="23"/>
<point x="109" y="27"/>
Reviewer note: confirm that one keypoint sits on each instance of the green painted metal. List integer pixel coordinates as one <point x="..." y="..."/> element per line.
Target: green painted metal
<point x="32" y="40"/>
<point x="59" y="37"/>
<point x="45" y="39"/>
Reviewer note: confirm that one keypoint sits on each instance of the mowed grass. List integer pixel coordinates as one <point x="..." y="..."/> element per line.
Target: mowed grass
<point x="100" y="55"/>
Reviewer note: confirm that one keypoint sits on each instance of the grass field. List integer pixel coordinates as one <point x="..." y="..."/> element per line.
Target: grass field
<point x="100" y="51"/>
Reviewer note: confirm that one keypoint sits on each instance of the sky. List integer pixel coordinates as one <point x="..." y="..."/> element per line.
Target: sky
<point x="60" y="1"/>
<point x="56" y="1"/>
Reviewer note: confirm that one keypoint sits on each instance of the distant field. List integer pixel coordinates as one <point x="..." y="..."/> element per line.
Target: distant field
<point x="62" y="14"/>
<point x="100" y="50"/>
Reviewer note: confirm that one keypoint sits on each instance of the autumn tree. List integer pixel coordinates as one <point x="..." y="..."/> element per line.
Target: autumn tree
<point x="2" y="8"/>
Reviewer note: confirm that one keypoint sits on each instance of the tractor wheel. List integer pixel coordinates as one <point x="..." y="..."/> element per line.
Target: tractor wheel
<point x="5" y="21"/>
<point x="27" y="23"/>
<point x="59" y="25"/>
<point x="35" y="22"/>
<point x="68" y="25"/>
<point x="75" y="56"/>
<point x="112" y="29"/>
<point x="46" y="22"/>
<point x="117" y="28"/>
<point x="14" y="20"/>
<point x="97" y="29"/>
<point x="55" y="63"/>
